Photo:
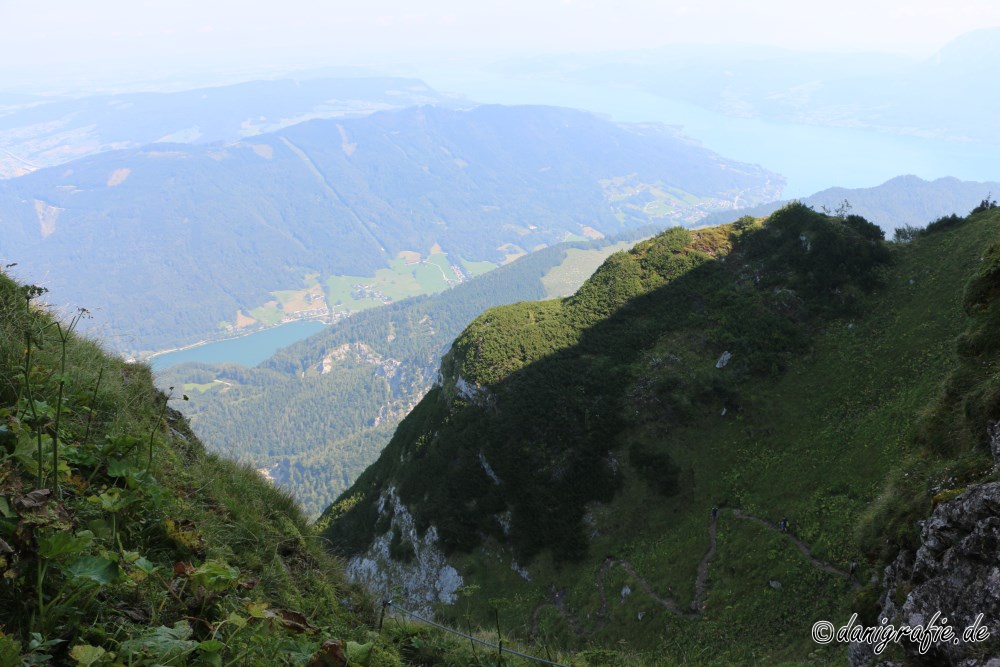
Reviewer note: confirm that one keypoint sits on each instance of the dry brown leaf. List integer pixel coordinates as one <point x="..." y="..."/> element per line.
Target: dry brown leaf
<point x="295" y="620"/>
<point x="183" y="569"/>
<point x="33" y="500"/>
<point x="330" y="654"/>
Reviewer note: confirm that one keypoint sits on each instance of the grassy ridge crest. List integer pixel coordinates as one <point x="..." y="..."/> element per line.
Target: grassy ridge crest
<point x="858" y="390"/>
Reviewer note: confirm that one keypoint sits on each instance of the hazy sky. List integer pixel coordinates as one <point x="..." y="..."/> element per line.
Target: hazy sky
<point x="50" y="36"/>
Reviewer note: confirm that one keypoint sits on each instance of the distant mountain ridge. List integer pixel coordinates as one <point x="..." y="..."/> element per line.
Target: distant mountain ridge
<point x="37" y="131"/>
<point x="199" y="233"/>
<point x="904" y="200"/>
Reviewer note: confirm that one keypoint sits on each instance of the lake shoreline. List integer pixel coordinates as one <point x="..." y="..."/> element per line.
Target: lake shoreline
<point x="159" y="354"/>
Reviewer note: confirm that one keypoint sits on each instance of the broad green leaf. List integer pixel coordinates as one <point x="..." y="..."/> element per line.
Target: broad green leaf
<point x="144" y="565"/>
<point x="79" y="456"/>
<point x="119" y="445"/>
<point x="162" y="643"/>
<point x="118" y="468"/>
<point x="111" y="500"/>
<point x="5" y="509"/>
<point x="94" y="568"/>
<point x="297" y="649"/>
<point x="211" y="646"/>
<point x="85" y="654"/>
<point x="64" y="543"/>
<point x="257" y="609"/>
<point x="43" y="409"/>
<point x="237" y="620"/>
<point x="26" y="452"/>
<point x="209" y="658"/>
<point x="101" y="528"/>
<point x="10" y="652"/>
<point x="215" y="576"/>
<point x="140" y="479"/>
<point x="359" y="654"/>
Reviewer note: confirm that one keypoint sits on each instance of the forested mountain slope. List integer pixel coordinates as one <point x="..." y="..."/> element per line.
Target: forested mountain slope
<point x="317" y="413"/>
<point x="170" y="243"/>
<point x="788" y="374"/>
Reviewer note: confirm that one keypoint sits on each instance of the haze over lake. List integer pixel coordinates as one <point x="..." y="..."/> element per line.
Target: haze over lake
<point x="810" y="157"/>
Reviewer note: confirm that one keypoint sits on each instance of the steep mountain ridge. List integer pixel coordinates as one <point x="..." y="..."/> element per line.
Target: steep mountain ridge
<point x="314" y="418"/>
<point x="317" y="413"/>
<point x="771" y="372"/>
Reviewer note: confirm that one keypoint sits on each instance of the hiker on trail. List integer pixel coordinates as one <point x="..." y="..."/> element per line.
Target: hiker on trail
<point x="715" y="512"/>
<point x="783" y="526"/>
<point x="854" y="569"/>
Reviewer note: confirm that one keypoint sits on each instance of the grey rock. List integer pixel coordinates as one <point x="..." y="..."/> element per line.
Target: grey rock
<point x="993" y="431"/>
<point x="467" y="390"/>
<point x="488" y="469"/>
<point x="955" y="571"/>
<point x="427" y="579"/>
<point x="520" y="570"/>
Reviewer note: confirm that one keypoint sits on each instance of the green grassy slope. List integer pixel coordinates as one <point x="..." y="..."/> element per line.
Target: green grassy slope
<point x="122" y="542"/>
<point x="614" y="434"/>
<point x="132" y="545"/>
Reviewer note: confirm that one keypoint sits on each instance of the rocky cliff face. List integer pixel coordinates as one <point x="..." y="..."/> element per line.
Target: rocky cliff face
<point x="956" y="571"/>
<point x="418" y="575"/>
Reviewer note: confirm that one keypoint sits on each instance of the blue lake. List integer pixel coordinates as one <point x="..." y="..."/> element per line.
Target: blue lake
<point x="810" y="157"/>
<point x="248" y="350"/>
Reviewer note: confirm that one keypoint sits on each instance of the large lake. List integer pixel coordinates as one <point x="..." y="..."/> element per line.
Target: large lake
<point x="810" y="157"/>
<point x="248" y="350"/>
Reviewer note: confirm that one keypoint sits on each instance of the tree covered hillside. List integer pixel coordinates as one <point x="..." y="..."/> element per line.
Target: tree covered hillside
<point x="555" y="374"/>
<point x="317" y="413"/>
<point x="167" y="244"/>
<point x="787" y="373"/>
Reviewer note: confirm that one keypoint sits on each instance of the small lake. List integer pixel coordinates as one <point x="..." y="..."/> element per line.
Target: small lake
<point x="248" y="350"/>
